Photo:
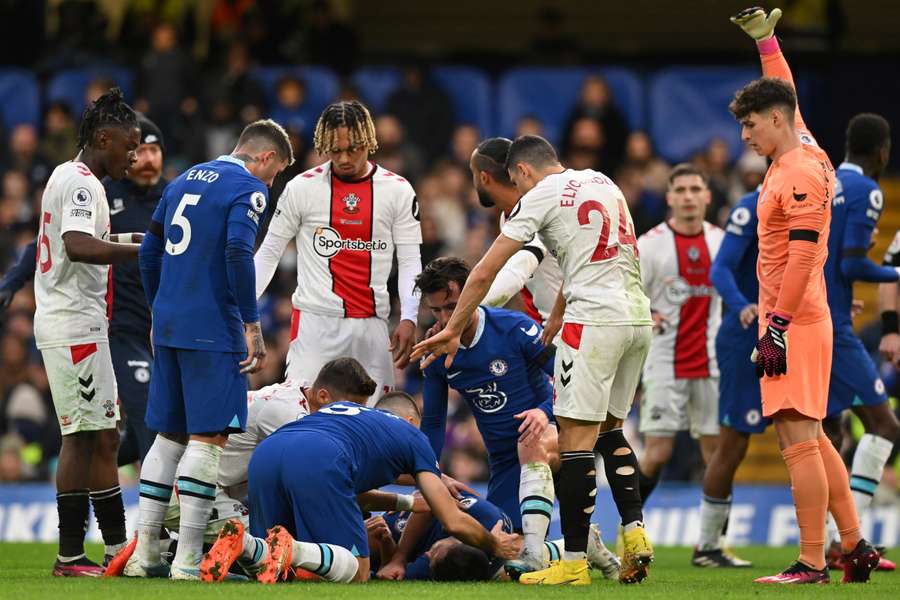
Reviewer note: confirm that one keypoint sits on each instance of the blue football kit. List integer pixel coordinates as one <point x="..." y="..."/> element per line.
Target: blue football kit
<point x="306" y="476"/>
<point x="734" y="276"/>
<point x="197" y="268"/>
<point x="856" y="207"/>
<point x="505" y="370"/>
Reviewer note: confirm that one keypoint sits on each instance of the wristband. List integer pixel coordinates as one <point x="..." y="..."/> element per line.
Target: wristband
<point x="405" y="502"/>
<point x="889" y="322"/>
<point x="768" y="46"/>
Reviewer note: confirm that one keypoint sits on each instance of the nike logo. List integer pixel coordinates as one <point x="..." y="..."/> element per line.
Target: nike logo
<point x="531" y="332"/>
<point x="115" y="211"/>
<point x="452" y="375"/>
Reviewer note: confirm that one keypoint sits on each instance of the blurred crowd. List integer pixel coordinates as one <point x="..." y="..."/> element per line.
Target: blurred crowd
<point x="194" y="82"/>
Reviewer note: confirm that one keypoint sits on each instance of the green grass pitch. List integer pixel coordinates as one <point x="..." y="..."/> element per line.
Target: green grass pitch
<point x="25" y="574"/>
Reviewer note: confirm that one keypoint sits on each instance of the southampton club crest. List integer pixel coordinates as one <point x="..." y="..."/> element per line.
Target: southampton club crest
<point x="351" y="203"/>
<point x="693" y="253"/>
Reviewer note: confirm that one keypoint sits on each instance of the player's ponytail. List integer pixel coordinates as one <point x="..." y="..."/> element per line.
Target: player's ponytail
<point x="108" y="109"/>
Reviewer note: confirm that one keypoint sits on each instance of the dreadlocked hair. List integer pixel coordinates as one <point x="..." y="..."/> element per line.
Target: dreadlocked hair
<point x="351" y="114"/>
<point x="108" y="109"/>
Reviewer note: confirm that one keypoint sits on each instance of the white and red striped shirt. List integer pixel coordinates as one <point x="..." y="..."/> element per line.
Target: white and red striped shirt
<point x="345" y="233"/>
<point x="675" y="270"/>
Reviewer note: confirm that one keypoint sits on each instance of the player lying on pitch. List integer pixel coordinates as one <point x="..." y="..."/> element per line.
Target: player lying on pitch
<point x="502" y="371"/>
<point x="365" y="449"/>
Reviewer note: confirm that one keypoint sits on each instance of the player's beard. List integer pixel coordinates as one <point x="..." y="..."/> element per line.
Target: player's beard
<point x="484" y="199"/>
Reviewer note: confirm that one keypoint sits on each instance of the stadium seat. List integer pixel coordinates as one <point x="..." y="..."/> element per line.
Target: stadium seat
<point x="471" y="94"/>
<point x="20" y="100"/>
<point x="689" y="108"/>
<point x="69" y="86"/>
<point x="375" y="84"/>
<point x="322" y="85"/>
<point x="551" y="93"/>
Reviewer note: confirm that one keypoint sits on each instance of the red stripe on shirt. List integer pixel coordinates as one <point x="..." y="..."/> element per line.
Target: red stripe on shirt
<point x="530" y="308"/>
<point x="691" y="353"/>
<point x="351" y="270"/>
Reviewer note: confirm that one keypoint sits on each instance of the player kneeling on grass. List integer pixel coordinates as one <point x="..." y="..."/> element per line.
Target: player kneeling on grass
<point x="267" y="409"/>
<point x="315" y="501"/>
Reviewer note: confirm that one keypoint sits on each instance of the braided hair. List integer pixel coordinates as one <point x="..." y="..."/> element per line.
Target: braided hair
<point x="108" y="109"/>
<point x="355" y="117"/>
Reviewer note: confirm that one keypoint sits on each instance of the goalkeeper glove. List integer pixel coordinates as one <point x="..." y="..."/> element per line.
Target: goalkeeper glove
<point x="756" y="24"/>
<point x="770" y="354"/>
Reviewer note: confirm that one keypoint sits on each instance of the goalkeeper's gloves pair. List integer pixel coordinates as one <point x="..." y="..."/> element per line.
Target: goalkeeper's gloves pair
<point x="770" y="354"/>
<point x="756" y="24"/>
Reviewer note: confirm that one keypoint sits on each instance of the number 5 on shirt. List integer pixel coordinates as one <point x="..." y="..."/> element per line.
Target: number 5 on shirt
<point x="181" y="221"/>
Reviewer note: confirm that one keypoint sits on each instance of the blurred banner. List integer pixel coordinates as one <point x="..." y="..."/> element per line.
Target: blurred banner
<point x="760" y="515"/>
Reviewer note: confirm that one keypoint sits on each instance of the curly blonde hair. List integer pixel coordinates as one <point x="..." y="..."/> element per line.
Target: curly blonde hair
<point x="355" y="117"/>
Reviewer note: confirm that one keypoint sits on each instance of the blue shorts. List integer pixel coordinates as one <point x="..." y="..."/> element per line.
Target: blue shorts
<point x="740" y="402"/>
<point x="132" y="360"/>
<point x="854" y="378"/>
<point x="503" y="488"/>
<point x="196" y="391"/>
<point x="313" y="498"/>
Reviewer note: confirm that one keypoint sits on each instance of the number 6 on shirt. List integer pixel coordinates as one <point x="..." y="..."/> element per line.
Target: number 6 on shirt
<point x="181" y="221"/>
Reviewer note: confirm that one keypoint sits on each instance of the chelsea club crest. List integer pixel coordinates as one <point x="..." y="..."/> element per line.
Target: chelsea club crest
<point x="498" y="367"/>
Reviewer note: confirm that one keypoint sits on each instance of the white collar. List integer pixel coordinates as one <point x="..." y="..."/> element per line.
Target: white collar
<point x="235" y="160"/>
<point x="478" y="330"/>
<point x="851" y="166"/>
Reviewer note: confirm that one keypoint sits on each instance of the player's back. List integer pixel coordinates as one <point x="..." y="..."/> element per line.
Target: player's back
<point x="584" y="221"/>
<point x="195" y="307"/>
<point x="742" y="223"/>
<point x="796" y="194"/>
<point x="857" y="202"/>
<point x="379" y="445"/>
<point x="73" y="298"/>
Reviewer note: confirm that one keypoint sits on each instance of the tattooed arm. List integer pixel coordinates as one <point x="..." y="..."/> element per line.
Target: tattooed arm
<point x="256" y="349"/>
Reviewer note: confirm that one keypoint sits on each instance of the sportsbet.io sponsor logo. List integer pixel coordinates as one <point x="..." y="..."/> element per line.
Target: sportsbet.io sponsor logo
<point x="678" y="291"/>
<point x="327" y="242"/>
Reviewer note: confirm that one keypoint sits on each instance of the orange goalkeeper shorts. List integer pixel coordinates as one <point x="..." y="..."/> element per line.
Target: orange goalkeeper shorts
<point x="804" y="387"/>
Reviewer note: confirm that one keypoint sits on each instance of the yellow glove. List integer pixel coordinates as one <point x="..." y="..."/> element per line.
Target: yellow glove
<point x="756" y="24"/>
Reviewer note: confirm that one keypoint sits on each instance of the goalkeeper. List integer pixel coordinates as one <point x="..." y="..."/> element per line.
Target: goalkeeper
<point x="794" y="212"/>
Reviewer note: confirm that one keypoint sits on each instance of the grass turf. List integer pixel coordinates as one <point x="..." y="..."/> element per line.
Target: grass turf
<point x="25" y="573"/>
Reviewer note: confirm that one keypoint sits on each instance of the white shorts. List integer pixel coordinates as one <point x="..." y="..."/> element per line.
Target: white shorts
<point x="83" y="386"/>
<point x="597" y="370"/>
<point x="670" y="405"/>
<point x="317" y="339"/>
<point x="225" y="508"/>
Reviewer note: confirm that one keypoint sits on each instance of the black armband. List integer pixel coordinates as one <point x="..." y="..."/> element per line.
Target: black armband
<point x="889" y="322"/>
<point x="803" y="235"/>
<point x="156" y="229"/>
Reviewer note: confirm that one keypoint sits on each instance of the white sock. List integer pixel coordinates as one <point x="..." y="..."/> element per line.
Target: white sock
<point x="536" y="503"/>
<point x="254" y="554"/>
<point x="831" y="532"/>
<point x="196" y="482"/>
<point x="157" y="478"/>
<point x="713" y="517"/>
<point x="330" y="562"/>
<point x="868" y="466"/>
<point x="553" y="550"/>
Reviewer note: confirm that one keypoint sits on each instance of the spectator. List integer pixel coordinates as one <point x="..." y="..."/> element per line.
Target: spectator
<point x="235" y="96"/>
<point x="15" y="191"/>
<point x="291" y="109"/>
<point x="12" y="467"/>
<point x="24" y="155"/>
<point x="552" y="44"/>
<point x="59" y="141"/>
<point x="714" y="161"/>
<point x="647" y="210"/>
<point x="748" y="173"/>
<point x="331" y="41"/>
<point x="529" y="125"/>
<point x="96" y="88"/>
<point x="639" y="153"/>
<point x="596" y="102"/>
<point x="425" y="112"/>
<point x="164" y="80"/>
<point x="395" y="153"/>
<point x="585" y="146"/>
<point x="465" y="138"/>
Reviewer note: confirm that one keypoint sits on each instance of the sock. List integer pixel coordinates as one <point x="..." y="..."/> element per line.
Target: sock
<point x="809" y="486"/>
<point x="553" y="550"/>
<point x="840" y="500"/>
<point x="713" y="520"/>
<point x="831" y="532"/>
<point x="72" y="507"/>
<point x="577" y="496"/>
<point x="536" y="504"/>
<point x="330" y="562"/>
<point x="621" y="468"/>
<point x="157" y="479"/>
<point x="871" y="455"/>
<point x="254" y="554"/>
<point x="110" y="513"/>
<point x="646" y="484"/>
<point x="195" y="481"/>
